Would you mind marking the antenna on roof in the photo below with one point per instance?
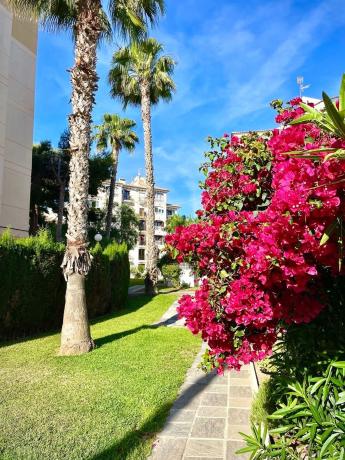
(302, 87)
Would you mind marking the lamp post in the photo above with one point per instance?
(98, 237)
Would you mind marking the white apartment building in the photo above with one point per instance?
(134, 195)
(18, 43)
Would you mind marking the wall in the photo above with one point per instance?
(18, 42)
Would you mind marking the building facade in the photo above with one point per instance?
(134, 195)
(18, 43)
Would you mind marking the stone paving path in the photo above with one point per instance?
(210, 410)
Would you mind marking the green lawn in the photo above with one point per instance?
(104, 405)
(136, 282)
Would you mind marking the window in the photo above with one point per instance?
(141, 254)
(159, 210)
(142, 240)
(159, 197)
(142, 212)
(170, 212)
(159, 224)
(159, 239)
(126, 194)
(142, 225)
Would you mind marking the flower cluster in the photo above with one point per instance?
(257, 244)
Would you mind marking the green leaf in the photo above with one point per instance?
(339, 364)
(339, 154)
(309, 109)
(342, 94)
(317, 385)
(333, 113)
(328, 232)
(327, 443)
(306, 118)
(244, 450)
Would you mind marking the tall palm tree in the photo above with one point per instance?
(88, 22)
(141, 75)
(115, 132)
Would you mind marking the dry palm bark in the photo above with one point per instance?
(151, 251)
(75, 335)
(109, 218)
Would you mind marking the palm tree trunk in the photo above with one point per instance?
(75, 334)
(109, 217)
(151, 277)
(60, 211)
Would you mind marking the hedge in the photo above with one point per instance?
(32, 288)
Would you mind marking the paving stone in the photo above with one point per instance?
(212, 399)
(204, 448)
(212, 411)
(240, 392)
(239, 402)
(213, 388)
(203, 458)
(181, 415)
(204, 379)
(239, 416)
(234, 446)
(168, 449)
(239, 374)
(186, 401)
(208, 414)
(176, 430)
(240, 382)
(208, 428)
(233, 431)
(192, 389)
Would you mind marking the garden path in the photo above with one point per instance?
(208, 413)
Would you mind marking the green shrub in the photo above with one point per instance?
(32, 288)
(311, 420)
(302, 404)
(119, 273)
(171, 274)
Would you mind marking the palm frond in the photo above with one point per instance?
(142, 61)
(130, 18)
(115, 132)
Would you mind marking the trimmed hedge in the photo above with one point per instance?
(32, 288)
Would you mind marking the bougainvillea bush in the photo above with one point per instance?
(256, 246)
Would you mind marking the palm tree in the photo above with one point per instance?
(115, 132)
(141, 75)
(88, 22)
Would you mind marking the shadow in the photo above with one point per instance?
(119, 335)
(123, 448)
(170, 291)
(133, 304)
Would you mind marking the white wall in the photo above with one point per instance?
(17, 81)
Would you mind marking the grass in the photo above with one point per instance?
(136, 282)
(107, 404)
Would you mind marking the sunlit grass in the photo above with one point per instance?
(104, 405)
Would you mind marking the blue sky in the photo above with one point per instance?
(233, 57)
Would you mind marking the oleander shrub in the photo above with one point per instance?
(32, 288)
(310, 420)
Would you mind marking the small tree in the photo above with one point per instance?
(140, 75)
(88, 21)
(126, 228)
(114, 132)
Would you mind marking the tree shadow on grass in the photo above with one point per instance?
(119, 335)
(133, 304)
(121, 449)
